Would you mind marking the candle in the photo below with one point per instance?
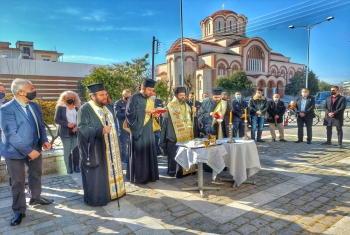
(245, 114)
(231, 116)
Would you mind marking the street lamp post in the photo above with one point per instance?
(308, 28)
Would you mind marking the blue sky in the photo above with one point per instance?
(105, 32)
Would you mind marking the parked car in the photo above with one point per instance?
(322, 96)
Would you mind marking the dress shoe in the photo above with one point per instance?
(70, 171)
(273, 140)
(17, 219)
(40, 201)
(283, 140)
(309, 142)
(260, 140)
(298, 141)
(327, 143)
(340, 146)
(76, 169)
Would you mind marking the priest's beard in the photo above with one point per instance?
(144, 95)
(100, 102)
(181, 101)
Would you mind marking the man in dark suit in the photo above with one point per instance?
(238, 106)
(119, 113)
(23, 138)
(3, 101)
(334, 108)
(276, 109)
(304, 108)
(194, 108)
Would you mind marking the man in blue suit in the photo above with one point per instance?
(23, 137)
(238, 106)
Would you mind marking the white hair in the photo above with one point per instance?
(19, 84)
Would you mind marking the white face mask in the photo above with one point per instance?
(153, 97)
(276, 99)
(304, 94)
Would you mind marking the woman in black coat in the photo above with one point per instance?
(66, 117)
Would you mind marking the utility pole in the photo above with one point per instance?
(154, 40)
(182, 45)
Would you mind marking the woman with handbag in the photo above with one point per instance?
(66, 117)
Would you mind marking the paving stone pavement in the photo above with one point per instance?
(301, 189)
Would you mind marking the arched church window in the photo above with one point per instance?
(230, 25)
(273, 72)
(221, 70)
(219, 27)
(255, 59)
(208, 28)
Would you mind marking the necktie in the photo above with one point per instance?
(33, 123)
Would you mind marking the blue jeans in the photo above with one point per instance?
(260, 122)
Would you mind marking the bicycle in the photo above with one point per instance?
(317, 117)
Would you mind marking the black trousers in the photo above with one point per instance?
(238, 127)
(16, 169)
(339, 134)
(308, 123)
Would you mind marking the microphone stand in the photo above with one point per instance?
(113, 163)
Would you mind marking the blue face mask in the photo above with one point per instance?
(238, 97)
(2, 95)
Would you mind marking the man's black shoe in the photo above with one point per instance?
(340, 146)
(327, 143)
(40, 201)
(273, 140)
(283, 140)
(70, 170)
(309, 142)
(260, 140)
(298, 141)
(17, 219)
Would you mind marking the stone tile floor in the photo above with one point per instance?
(302, 189)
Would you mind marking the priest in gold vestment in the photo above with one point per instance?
(177, 127)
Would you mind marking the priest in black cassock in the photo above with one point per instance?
(207, 120)
(140, 118)
(206, 114)
(177, 126)
(99, 149)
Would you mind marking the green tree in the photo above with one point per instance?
(236, 82)
(324, 86)
(114, 82)
(136, 70)
(162, 90)
(297, 82)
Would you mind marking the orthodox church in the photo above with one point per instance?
(224, 49)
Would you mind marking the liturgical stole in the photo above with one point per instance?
(221, 107)
(182, 123)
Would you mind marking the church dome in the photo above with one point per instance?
(222, 12)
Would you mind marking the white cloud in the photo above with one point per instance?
(148, 13)
(70, 11)
(88, 59)
(98, 16)
(109, 28)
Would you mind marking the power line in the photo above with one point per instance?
(196, 35)
(171, 42)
